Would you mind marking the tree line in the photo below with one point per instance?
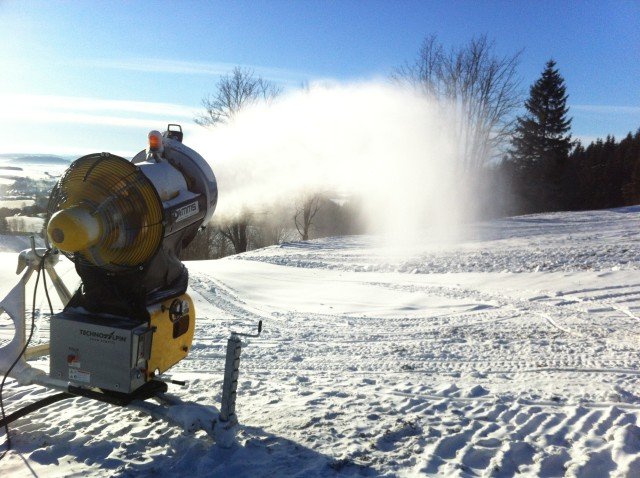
(546, 170)
(604, 174)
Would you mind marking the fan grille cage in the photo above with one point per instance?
(126, 204)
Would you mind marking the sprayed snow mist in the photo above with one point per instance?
(390, 147)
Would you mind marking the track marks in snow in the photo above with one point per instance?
(434, 344)
(553, 323)
(534, 441)
(344, 378)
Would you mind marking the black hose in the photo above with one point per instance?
(33, 407)
(44, 279)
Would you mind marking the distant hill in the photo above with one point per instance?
(36, 159)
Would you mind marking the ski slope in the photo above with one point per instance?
(514, 351)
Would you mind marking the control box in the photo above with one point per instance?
(91, 350)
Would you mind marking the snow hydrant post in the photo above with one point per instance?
(230, 383)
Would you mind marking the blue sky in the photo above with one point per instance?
(97, 75)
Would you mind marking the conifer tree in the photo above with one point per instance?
(542, 141)
(543, 131)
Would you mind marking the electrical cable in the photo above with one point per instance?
(32, 407)
(24, 349)
(44, 281)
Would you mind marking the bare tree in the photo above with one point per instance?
(482, 89)
(273, 227)
(209, 243)
(236, 232)
(234, 92)
(304, 215)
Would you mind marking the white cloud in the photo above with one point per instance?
(156, 65)
(16, 103)
(25, 115)
(41, 115)
(20, 147)
(90, 111)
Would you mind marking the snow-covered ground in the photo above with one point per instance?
(12, 244)
(513, 351)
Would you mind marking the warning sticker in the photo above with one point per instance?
(79, 376)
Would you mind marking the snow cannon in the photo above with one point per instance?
(124, 224)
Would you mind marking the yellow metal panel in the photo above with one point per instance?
(166, 350)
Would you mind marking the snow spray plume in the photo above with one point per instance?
(390, 147)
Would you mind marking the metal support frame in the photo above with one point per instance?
(221, 426)
(14, 304)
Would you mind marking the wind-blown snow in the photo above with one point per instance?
(391, 148)
(515, 351)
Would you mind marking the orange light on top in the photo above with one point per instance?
(155, 141)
